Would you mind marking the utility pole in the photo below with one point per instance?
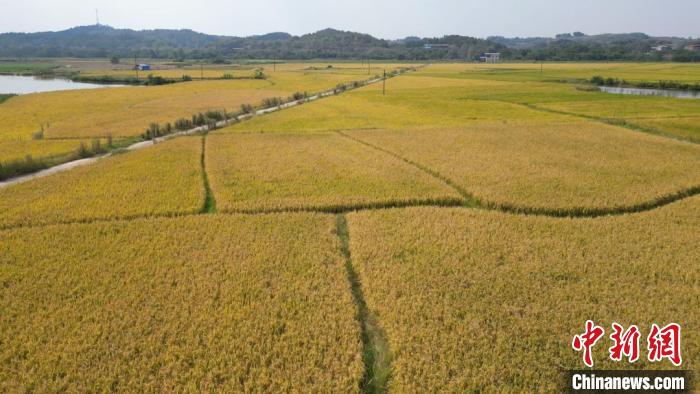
(369, 67)
(384, 84)
(541, 67)
(201, 71)
(136, 67)
(97, 17)
(274, 63)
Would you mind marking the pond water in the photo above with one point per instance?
(22, 85)
(651, 92)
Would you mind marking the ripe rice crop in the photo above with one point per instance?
(684, 127)
(207, 303)
(127, 112)
(578, 166)
(252, 172)
(20, 149)
(122, 112)
(165, 179)
(476, 301)
(633, 72)
(368, 108)
(673, 116)
(176, 73)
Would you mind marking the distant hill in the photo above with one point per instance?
(106, 41)
(100, 41)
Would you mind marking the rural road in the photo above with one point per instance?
(145, 144)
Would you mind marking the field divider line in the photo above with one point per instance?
(328, 209)
(471, 201)
(376, 354)
(611, 122)
(209, 200)
(447, 203)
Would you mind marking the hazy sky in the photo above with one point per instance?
(381, 18)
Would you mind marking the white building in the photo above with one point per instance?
(491, 57)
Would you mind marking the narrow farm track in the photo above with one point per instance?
(376, 355)
(209, 200)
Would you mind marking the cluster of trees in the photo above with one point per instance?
(106, 42)
(604, 47)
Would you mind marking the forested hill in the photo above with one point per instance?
(104, 41)
(579, 46)
(101, 41)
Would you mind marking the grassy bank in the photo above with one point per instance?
(5, 97)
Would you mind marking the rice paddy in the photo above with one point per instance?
(259, 172)
(576, 166)
(193, 304)
(163, 180)
(482, 301)
(51, 124)
(451, 235)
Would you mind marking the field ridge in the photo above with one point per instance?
(611, 122)
(577, 212)
(447, 203)
(209, 199)
(376, 354)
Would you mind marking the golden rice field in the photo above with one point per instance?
(475, 301)
(221, 304)
(367, 108)
(13, 149)
(633, 72)
(573, 166)
(175, 73)
(259, 172)
(162, 180)
(356, 243)
(676, 118)
(121, 112)
(128, 111)
(526, 83)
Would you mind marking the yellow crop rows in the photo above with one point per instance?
(453, 234)
(128, 111)
(574, 166)
(258, 172)
(226, 304)
(482, 301)
(165, 179)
